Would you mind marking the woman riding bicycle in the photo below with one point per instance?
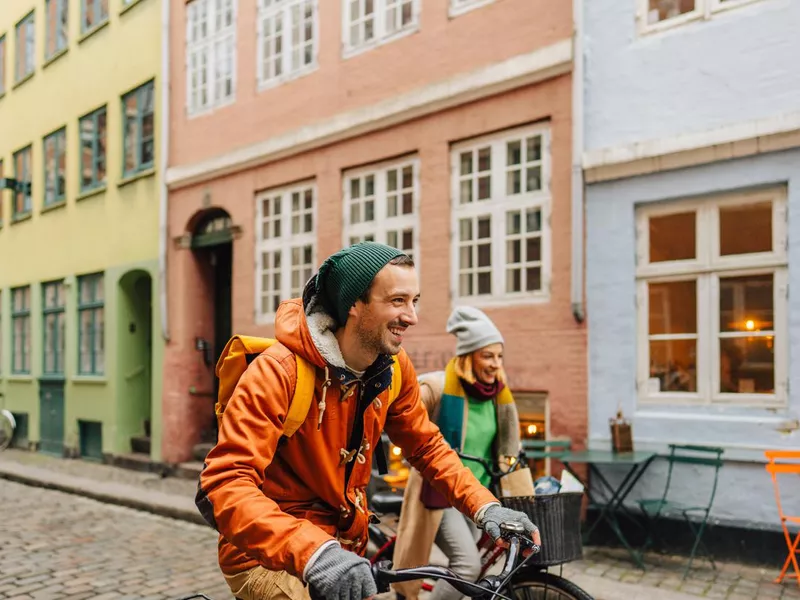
(476, 413)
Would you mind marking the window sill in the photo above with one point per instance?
(457, 11)
(53, 206)
(269, 84)
(20, 218)
(353, 51)
(510, 301)
(95, 191)
(90, 379)
(87, 34)
(49, 61)
(52, 378)
(20, 377)
(128, 7)
(27, 77)
(148, 172)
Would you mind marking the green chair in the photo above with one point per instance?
(542, 449)
(702, 459)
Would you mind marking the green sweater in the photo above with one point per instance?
(481, 431)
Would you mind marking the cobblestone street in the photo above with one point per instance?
(57, 546)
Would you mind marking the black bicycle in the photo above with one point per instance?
(529, 580)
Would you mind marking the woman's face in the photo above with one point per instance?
(486, 362)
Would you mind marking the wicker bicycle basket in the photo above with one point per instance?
(558, 517)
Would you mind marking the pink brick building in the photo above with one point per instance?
(442, 127)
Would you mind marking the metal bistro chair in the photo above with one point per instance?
(544, 449)
(656, 508)
(786, 462)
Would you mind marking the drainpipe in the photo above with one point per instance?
(164, 153)
(576, 286)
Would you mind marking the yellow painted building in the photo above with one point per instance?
(80, 122)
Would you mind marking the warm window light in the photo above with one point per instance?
(750, 325)
(396, 451)
(532, 429)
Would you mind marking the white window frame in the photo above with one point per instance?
(460, 7)
(497, 207)
(380, 35)
(706, 268)
(704, 9)
(287, 73)
(380, 226)
(217, 47)
(284, 243)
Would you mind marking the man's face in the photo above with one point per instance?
(381, 323)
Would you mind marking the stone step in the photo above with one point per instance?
(140, 444)
(188, 470)
(201, 450)
(136, 461)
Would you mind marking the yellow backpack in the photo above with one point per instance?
(241, 350)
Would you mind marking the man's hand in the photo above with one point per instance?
(339, 574)
(496, 514)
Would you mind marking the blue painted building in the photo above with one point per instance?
(690, 116)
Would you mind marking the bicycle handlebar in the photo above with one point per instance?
(488, 587)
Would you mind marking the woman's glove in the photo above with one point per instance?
(495, 514)
(338, 574)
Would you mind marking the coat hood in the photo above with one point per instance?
(306, 328)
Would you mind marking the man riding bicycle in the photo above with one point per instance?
(293, 512)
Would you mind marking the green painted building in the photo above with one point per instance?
(80, 343)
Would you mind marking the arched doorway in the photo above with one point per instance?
(135, 359)
(212, 246)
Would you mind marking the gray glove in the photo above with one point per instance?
(496, 514)
(339, 574)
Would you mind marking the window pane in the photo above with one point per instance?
(533, 279)
(745, 229)
(672, 237)
(484, 283)
(661, 10)
(745, 304)
(673, 363)
(673, 307)
(747, 365)
(465, 229)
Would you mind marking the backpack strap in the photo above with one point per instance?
(394, 392)
(303, 394)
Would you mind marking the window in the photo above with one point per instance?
(371, 22)
(501, 208)
(2, 64)
(57, 15)
(91, 325)
(286, 247)
(660, 14)
(53, 320)
(93, 14)
(25, 58)
(381, 204)
(712, 290)
(287, 39)
(21, 330)
(138, 122)
(210, 54)
(22, 173)
(93, 149)
(55, 167)
(458, 7)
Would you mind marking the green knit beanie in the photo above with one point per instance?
(344, 276)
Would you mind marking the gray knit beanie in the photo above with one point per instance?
(344, 276)
(473, 330)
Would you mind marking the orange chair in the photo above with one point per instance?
(774, 468)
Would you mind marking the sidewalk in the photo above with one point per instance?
(605, 573)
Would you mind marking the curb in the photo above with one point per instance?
(155, 503)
